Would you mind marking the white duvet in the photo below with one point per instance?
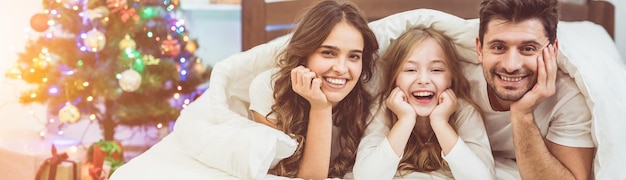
(214, 139)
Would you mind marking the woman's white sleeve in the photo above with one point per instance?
(375, 159)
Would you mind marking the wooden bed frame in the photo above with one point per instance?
(263, 21)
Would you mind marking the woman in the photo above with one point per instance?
(318, 93)
(434, 128)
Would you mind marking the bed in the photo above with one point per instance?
(264, 20)
(214, 139)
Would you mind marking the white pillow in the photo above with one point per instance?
(215, 129)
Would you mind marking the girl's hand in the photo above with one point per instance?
(397, 103)
(447, 105)
(306, 83)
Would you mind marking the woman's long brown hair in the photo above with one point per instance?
(292, 110)
(418, 155)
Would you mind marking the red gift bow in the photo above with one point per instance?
(54, 161)
(95, 173)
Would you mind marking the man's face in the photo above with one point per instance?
(509, 56)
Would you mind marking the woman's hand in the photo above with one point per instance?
(306, 83)
(397, 102)
(448, 103)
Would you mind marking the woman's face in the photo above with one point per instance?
(424, 76)
(338, 61)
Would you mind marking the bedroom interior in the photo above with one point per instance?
(265, 20)
(222, 108)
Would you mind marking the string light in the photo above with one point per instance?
(53, 91)
(45, 60)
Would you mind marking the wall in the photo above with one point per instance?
(620, 26)
(13, 115)
(217, 27)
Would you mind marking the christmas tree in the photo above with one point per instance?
(128, 62)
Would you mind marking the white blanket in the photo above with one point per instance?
(214, 138)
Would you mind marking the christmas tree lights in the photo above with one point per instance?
(113, 62)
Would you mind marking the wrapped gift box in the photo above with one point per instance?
(66, 170)
(58, 167)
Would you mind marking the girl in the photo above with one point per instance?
(435, 130)
(317, 94)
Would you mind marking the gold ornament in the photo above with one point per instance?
(198, 66)
(191, 47)
(69, 113)
(127, 43)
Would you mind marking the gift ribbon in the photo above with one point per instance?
(95, 173)
(54, 161)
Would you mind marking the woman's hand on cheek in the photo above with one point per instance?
(306, 84)
(397, 103)
(448, 103)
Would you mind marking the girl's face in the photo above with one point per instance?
(338, 61)
(424, 76)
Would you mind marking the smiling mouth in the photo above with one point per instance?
(423, 95)
(336, 81)
(510, 79)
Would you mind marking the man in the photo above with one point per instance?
(538, 122)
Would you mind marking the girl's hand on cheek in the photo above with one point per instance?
(306, 84)
(448, 103)
(397, 103)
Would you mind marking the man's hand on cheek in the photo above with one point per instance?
(546, 82)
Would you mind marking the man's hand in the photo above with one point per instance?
(546, 82)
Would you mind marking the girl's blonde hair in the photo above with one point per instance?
(421, 156)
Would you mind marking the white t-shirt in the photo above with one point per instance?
(470, 157)
(262, 99)
(562, 118)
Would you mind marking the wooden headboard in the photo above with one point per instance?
(263, 21)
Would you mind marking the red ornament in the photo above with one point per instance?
(170, 47)
(39, 22)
